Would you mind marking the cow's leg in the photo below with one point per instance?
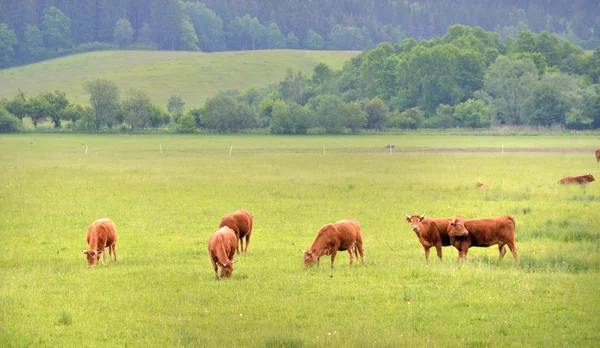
(247, 241)
(333, 252)
(358, 250)
(104, 255)
(438, 248)
(239, 240)
(502, 250)
(513, 250)
(216, 268)
(351, 253)
(426, 254)
(115, 251)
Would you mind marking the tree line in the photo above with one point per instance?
(35, 30)
(467, 78)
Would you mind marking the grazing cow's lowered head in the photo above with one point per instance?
(227, 268)
(414, 221)
(457, 228)
(310, 258)
(92, 256)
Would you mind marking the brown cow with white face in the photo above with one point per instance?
(101, 234)
(241, 223)
(221, 248)
(431, 232)
(483, 232)
(337, 236)
(582, 179)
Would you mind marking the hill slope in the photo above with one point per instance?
(195, 76)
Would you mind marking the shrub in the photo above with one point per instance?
(8, 122)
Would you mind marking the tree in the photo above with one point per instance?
(18, 106)
(186, 124)
(8, 40)
(104, 97)
(208, 26)
(188, 40)
(123, 33)
(292, 41)
(509, 83)
(377, 113)
(8, 122)
(330, 113)
(166, 23)
(281, 122)
(314, 41)
(57, 30)
(157, 116)
(349, 38)
(355, 117)
(136, 109)
(38, 109)
(58, 103)
(33, 46)
(473, 113)
(275, 38)
(175, 106)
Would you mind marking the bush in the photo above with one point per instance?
(8, 122)
(186, 124)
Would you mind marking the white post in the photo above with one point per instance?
(161, 148)
(86, 148)
(230, 149)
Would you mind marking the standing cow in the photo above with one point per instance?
(597, 155)
(483, 232)
(431, 232)
(241, 223)
(221, 248)
(341, 235)
(582, 179)
(101, 234)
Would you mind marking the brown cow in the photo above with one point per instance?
(483, 232)
(101, 234)
(221, 248)
(341, 235)
(431, 232)
(241, 223)
(481, 185)
(582, 179)
(597, 155)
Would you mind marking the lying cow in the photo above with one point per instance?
(481, 185)
(582, 179)
(431, 232)
(341, 235)
(241, 223)
(221, 248)
(483, 232)
(101, 234)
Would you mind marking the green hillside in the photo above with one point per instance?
(195, 76)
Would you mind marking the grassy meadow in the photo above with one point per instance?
(193, 75)
(162, 290)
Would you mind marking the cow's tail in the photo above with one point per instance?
(513, 221)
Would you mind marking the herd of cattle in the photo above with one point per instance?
(344, 235)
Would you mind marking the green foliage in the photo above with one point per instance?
(314, 41)
(377, 113)
(348, 38)
(188, 40)
(330, 113)
(207, 24)
(473, 113)
(104, 98)
(356, 118)
(136, 107)
(34, 44)
(175, 106)
(166, 23)
(275, 38)
(56, 28)
(18, 106)
(38, 109)
(292, 41)
(186, 124)
(8, 41)
(123, 34)
(223, 114)
(58, 103)
(8, 122)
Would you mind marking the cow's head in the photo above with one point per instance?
(92, 256)
(590, 177)
(414, 220)
(309, 258)
(227, 268)
(456, 227)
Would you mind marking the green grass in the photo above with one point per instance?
(162, 291)
(194, 76)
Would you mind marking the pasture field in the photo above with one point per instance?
(193, 75)
(162, 290)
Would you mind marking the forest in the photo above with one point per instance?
(468, 78)
(36, 30)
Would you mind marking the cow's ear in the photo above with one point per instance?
(84, 251)
(234, 261)
(407, 218)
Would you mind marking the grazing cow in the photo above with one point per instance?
(481, 185)
(241, 223)
(582, 179)
(483, 232)
(341, 235)
(597, 155)
(431, 232)
(222, 245)
(101, 234)
(390, 146)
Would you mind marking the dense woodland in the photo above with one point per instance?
(468, 78)
(34, 30)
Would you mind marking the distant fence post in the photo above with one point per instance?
(230, 150)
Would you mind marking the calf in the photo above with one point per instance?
(582, 179)
(101, 234)
(431, 232)
(341, 235)
(483, 232)
(221, 248)
(241, 223)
